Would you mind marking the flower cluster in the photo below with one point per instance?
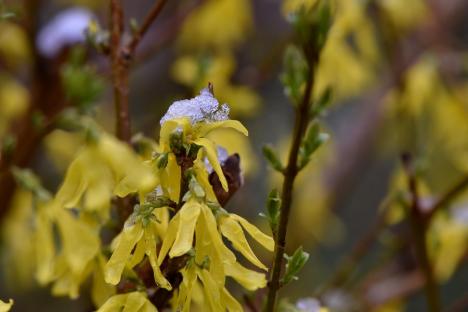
(176, 218)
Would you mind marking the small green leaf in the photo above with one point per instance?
(273, 210)
(272, 158)
(162, 160)
(322, 103)
(294, 264)
(29, 181)
(311, 142)
(295, 72)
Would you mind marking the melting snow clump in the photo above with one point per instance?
(204, 107)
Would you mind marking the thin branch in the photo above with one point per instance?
(419, 229)
(348, 265)
(138, 35)
(290, 173)
(448, 197)
(119, 73)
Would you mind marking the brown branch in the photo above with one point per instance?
(300, 125)
(419, 230)
(448, 197)
(154, 12)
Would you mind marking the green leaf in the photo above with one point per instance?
(272, 158)
(273, 210)
(294, 264)
(29, 181)
(295, 72)
(322, 103)
(311, 142)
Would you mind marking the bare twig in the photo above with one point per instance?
(419, 229)
(154, 12)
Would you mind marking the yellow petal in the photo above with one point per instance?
(231, 303)
(169, 238)
(233, 232)
(205, 128)
(170, 126)
(184, 298)
(6, 306)
(211, 153)
(45, 248)
(74, 185)
(263, 239)
(138, 254)
(249, 279)
(151, 253)
(80, 242)
(170, 178)
(188, 219)
(211, 291)
(116, 264)
(100, 290)
(130, 302)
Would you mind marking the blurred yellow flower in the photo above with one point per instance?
(129, 302)
(6, 306)
(15, 100)
(15, 48)
(218, 24)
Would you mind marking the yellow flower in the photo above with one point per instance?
(198, 72)
(190, 121)
(14, 98)
(219, 24)
(102, 169)
(6, 306)
(80, 244)
(139, 233)
(130, 302)
(196, 218)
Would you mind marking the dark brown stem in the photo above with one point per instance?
(138, 35)
(419, 229)
(448, 197)
(290, 173)
(119, 73)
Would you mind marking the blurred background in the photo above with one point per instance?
(397, 71)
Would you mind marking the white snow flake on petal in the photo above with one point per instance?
(67, 28)
(204, 107)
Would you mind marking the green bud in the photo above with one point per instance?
(272, 158)
(176, 141)
(295, 72)
(162, 160)
(294, 264)
(311, 142)
(322, 103)
(273, 210)
(29, 181)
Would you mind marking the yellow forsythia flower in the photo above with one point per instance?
(130, 302)
(6, 306)
(142, 236)
(102, 169)
(15, 100)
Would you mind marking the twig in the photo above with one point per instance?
(290, 173)
(119, 73)
(419, 229)
(349, 263)
(451, 194)
(154, 12)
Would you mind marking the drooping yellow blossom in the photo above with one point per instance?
(70, 265)
(62, 147)
(196, 219)
(102, 169)
(405, 14)
(192, 120)
(129, 302)
(139, 233)
(6, 306)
